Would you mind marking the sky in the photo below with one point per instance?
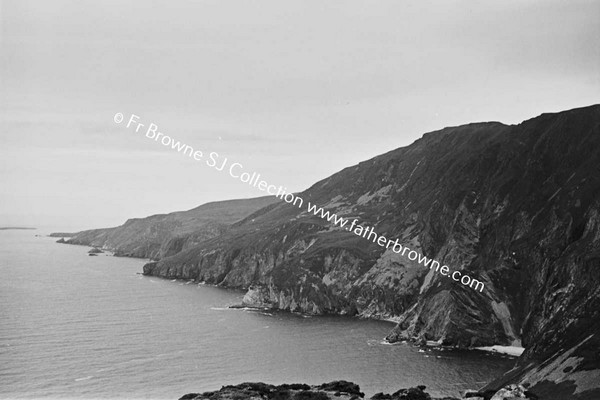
(293, 90)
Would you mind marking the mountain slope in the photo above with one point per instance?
(162, 235)
(516, 207)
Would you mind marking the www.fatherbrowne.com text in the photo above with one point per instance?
(236, 170)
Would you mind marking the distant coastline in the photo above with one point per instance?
(62, 234)
(6, 228)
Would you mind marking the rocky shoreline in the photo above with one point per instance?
(344, 390)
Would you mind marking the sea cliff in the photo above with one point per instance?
(515, 206)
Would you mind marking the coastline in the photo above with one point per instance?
(512, 351)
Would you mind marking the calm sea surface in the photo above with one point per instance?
(74, 326)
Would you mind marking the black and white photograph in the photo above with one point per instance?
(300, 199)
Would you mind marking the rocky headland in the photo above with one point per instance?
(62, 234)
(514, 206)
(162, 235)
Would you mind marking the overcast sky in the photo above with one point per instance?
(295, 90)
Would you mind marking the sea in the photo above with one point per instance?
(75, 326)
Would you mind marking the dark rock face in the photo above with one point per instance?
(338, 390)
(516, 207)
(164, 235)
(569, 372)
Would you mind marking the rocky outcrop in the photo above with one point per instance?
(340, 390)
(164, 235)
(569, 372)
(337, 390)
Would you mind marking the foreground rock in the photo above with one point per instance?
(337, 390)
(344, 390)
(95, 250)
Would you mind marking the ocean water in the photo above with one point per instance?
(74, 326)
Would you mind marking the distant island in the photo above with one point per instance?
(6, 228)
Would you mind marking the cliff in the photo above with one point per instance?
(515, 207)
(161, 235)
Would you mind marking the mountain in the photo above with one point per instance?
(516, 207)
(162, 235)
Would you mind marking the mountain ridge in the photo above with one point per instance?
(162, 235)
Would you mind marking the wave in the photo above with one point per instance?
(386, 343)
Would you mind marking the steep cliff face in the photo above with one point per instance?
(164, 235)
(515, 207)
